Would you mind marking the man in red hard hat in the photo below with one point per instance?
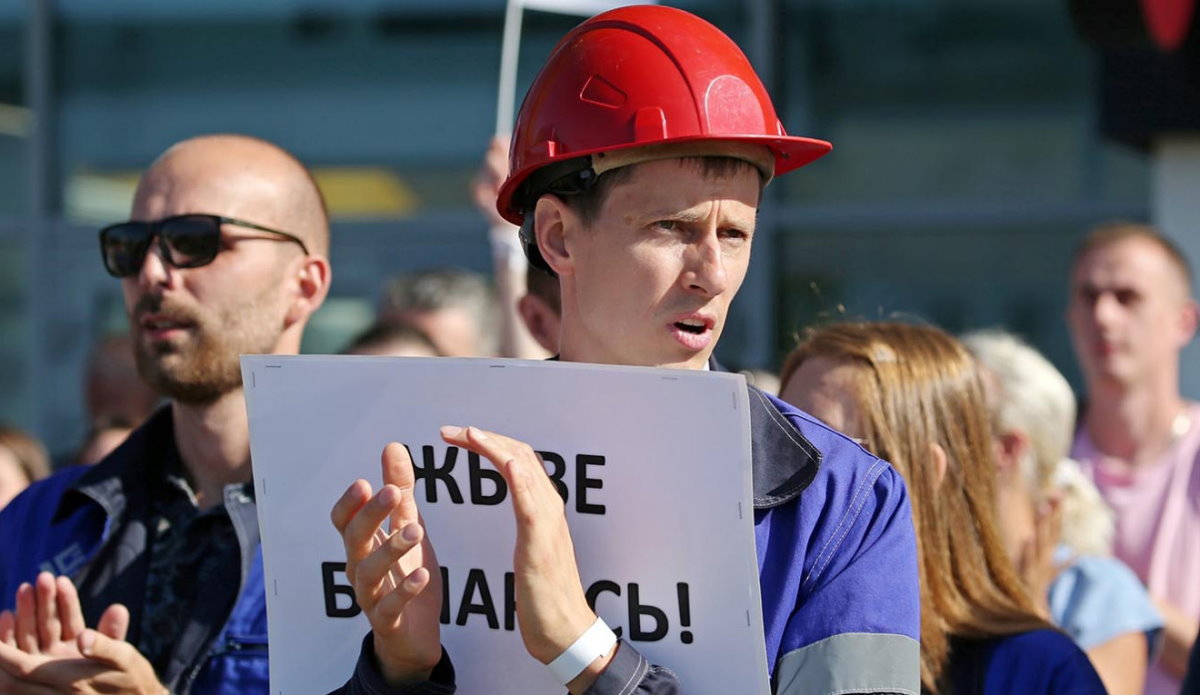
(638, 163)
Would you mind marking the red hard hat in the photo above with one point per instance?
(635, 77)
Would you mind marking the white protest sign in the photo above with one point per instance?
(657, 474)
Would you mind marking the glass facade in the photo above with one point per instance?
(966, 159)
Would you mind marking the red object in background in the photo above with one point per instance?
(1168, 21)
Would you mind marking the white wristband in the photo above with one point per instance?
(592, 644)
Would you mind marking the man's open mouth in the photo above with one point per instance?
(694, 327)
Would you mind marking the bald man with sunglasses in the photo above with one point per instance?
(143, 574)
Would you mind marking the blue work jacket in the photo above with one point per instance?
(66, 525)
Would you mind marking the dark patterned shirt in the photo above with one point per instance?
(194, 572)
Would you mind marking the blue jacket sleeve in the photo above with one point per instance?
(629, 673)
(852, 620)
(856, 627)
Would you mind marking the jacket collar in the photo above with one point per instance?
(783, 461)
(128, 471)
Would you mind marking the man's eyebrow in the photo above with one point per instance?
(694, 215)
(688, 215)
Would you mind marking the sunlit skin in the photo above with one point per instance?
(650, 280)
(191, 323)
(1128, 314)
(188, 327)
(823, 388)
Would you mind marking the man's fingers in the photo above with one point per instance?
(114, 622)
(393, 603)
(397, 466)
(398, 470)
(17, 664)
(528, 484)
(373, 570)
(8, 628)
(118, 654)
(498, 448)
(26, 622)
(70, 612)
(12, 664)
(520, 486)
(359, 535)
(49, 629)
(349, 503)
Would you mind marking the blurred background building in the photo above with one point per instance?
(967, 157)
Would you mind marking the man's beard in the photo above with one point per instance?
(207, 366)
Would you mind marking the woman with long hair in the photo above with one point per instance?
(1056, 526)
(913, 396)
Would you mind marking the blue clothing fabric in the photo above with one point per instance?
(837, 562)
(837, 550)
(1096, 598)
(1038, 661)
(84, 523)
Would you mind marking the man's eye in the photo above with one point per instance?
(668, 225)
(1126, 297)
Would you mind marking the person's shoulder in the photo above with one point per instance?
(1101, 570)
(43, 495)
(1044, 648)
(1097, 597)
(1045, 660)
(854, 505)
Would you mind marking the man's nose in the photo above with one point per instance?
(156, 269)
(1105, 309)
(706, 267)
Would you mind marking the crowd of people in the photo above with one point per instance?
(932, 513)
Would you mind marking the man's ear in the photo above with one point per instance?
(312, 277)
(1188, 321)
(553, 222)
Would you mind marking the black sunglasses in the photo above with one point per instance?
(185, 241)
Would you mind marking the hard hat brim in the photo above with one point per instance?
(790, 153)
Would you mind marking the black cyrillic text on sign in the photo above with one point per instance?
(498, 607)
(485, 486)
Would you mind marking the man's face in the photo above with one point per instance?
(189, 325)
(1128, 313)
(654, 273)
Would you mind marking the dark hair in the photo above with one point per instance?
(544, 285)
